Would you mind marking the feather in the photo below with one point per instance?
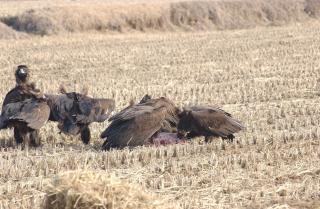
(208, 121)
(135, 131)
(34, 114)
(136, 124)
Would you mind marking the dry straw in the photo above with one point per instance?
(88, 189)
(175, 16)
(6, 32)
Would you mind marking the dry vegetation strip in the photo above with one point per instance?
(162, 16)
(266, 77)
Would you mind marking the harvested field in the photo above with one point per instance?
(267, 77)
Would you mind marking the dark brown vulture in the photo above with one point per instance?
(137, 124)
(209, 122)
(24, 109)
(74, 112)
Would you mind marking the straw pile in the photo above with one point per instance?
(9, 33)
(87, 189)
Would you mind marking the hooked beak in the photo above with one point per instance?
(22, 72)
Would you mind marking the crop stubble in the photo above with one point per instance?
(266, 77)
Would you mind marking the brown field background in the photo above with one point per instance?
(265, 76)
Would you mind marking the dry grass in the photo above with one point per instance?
(266, 77)
(8, 33)
(163, 16)
(313, 8)
(84, 189)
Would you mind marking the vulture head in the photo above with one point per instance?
(22, 74)
(184, 124)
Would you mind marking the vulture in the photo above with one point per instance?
(24, 109)
(138, 124)
(74, 112)
(208, 122)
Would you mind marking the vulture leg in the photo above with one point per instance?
(17, 135)
(229, 138)
(25, 138)
(34, 138)
(106, 146)
(85, 135)
(208, 139)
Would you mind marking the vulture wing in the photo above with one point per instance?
(60, 107)
(131, 112)
(209, 108)
(35, 114)
(134, 125)
(212, 121)
(172, 110)
(71, 112)
(12, 96)
(133, 109)
(94, 110)
(135, 130)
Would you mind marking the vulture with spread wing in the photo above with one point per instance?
(137, 124)
(209, 122)
(24, 109)
(74, 112)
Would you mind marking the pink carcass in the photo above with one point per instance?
(164, 138)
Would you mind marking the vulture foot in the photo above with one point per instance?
(85, 135)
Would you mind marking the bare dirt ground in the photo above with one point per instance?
(266, 77)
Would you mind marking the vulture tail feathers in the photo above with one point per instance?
(233, 126)
(237, 125)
